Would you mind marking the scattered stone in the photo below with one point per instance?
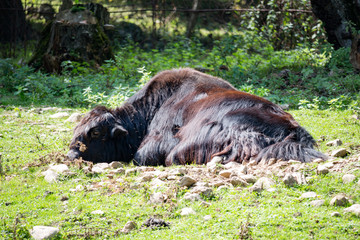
(318, 160)
(146, 169)
(207, 217)
(59, 115)
(116, 165)
(43, 232)
(202, 190)
(157, 198)
(177, 172)
(187, 211)
(130, 171)
(60, 168)
(342, 152)
(355, 209)
(117, 171)
(290, 179)
(216, 160)
(155, 223)
(348, 178)
(147, 177)
(218, 183)
(75, 117)
(50, 176)
(261, 184)
(225, 173)
(98, 212)
(317, 203)
(335, 214)
(186, 181)
(252, 163)
(339, 200)
(192, 197)
(100, 167)
(232, 165)
(205, 204)
(237, 181)
(334, 143)
(322, 170)
(129, 226)
(308, 195)
(239, 171)
(249, 178)
(172, 177)
(157, 184)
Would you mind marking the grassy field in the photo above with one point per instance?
(30, 141)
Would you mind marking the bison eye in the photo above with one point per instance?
(95, 133)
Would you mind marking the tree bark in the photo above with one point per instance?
(339, 18)
(192, 20)
(12, 21)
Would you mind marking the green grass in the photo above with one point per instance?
(27, 200)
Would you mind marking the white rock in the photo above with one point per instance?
(147, 177)
(317, 203)
(335, 214)
(75, 117)
(50, 176)
(157, 184)
(225, 173)
(348, 178)
(217, 183)
(186, 181)
(322, 170)
(355, 209)
(339, 200)
(342, 152)
(217, 160)
(318, 160)
(157, 198)
(117, 171)
(146, 169)
(308, 195)
(205, 191)
(100, 167)
(97, 212)
(60, 168)
(176, 172)
(116, 165)
(43, 232)
(249, 178)
(192, 196)
(130, 171)
(238, 181)
(187, 211)
(335, 143)
(59, 115)
(129, 226)
(262, 183)
(239, 171)
(207, 217)
(232, 165)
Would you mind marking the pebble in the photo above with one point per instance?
(261, 184)
(348, 178)
(100, 167)
(202, 190)
(237, 181)
(43, 232)
(207, 217)
(50, 176)
(97, 212)
(186, 181)
(335, 143)
(225, 173)
(322, 170)
(335, 214)
(192, 196)
(308, 195)
(342, 152)
(339, 200)
(129, 226)
(317, 203)
(75, 117)
(60, 168)
(116, 165)
(157, 198)
(187, 211)
(59, 115)
(355, 209)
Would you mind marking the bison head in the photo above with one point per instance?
(98, 136)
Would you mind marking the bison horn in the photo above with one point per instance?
(118, 131)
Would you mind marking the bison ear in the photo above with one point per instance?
(118, 131)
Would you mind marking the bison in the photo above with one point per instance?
(184, 116)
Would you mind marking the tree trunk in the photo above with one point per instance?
(339, 18)
(12, 21)
(192, 20)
